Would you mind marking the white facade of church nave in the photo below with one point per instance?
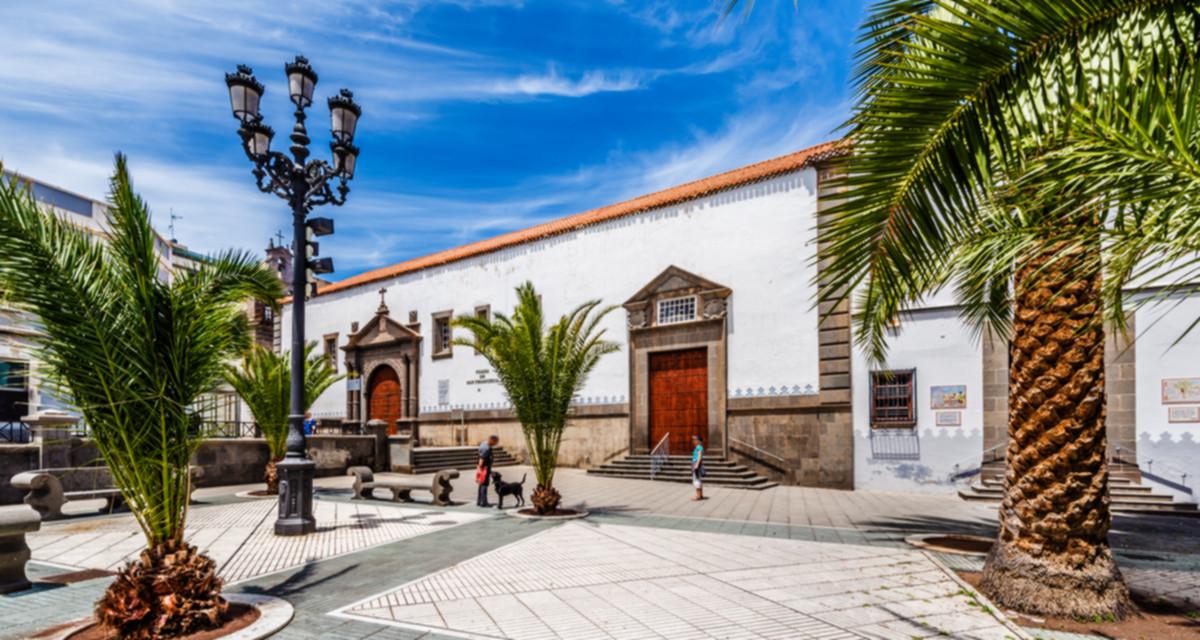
(757, 240)
(754, 239)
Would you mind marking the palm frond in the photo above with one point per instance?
(263, 380)
(955, 99)
(541, 369)
(133, 349)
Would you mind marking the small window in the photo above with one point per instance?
(675, 310)
(14, 376)
(331, 346)
(441, 334)
(892, 398)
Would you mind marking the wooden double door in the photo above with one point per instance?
(383, 397)
(678, 398)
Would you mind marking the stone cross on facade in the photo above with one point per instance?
(383, 309)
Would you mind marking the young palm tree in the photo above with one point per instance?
(957, 100)
(264, 382)
(134, 349)
(541, 370)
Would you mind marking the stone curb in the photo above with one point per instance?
(247, 494)
(273, 615)
(516, 513)
(996, 612)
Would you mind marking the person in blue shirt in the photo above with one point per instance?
(310, 424)
(698, 467)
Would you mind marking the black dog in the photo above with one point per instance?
(509, 489)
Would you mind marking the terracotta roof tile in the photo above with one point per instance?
(674, 195)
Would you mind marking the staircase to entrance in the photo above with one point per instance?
(671, 468)
(432, 459)
(1125, 486)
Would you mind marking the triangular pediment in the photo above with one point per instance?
(672, 280)
(380, 331)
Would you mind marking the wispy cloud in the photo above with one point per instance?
(481, 116)
(553, 83)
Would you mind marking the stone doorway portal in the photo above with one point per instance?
(383, 397)
(678, 397)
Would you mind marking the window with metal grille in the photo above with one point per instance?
(892, 398)
(331, 348)
(441, 334)
(675, 310)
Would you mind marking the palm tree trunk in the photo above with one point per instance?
(271, 476)
(546, 499)
(1052, 557)
(170, 590)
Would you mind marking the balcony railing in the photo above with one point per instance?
(14, 432)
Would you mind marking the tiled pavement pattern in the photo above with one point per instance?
(240, 536)
(609, 581)
(1168, 545)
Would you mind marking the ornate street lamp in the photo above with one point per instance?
(304, 184)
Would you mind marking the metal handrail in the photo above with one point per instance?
(988, 455)
(659, 458)
(755, 450)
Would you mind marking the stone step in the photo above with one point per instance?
(430, 459)
(1152, 503)
(1114, 488)
(756, 482)
(1117, 493)
(718, 471)
(685, 466)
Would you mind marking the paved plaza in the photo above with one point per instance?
(240, 536)
(787, 562)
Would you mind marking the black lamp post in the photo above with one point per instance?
(305, 184)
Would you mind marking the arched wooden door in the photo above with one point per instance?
(383, 397)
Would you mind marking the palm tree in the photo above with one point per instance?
(958, 99)
(134, 348)
(957, 102)
(541, 370)
(264, 382)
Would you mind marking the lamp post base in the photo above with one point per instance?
(295, 497)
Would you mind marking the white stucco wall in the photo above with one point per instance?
(755, 239)
(1166, 449)
(943, 352)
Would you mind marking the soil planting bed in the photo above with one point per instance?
(240, 617)
(960, 543)
(557, 514)
(1156, 621)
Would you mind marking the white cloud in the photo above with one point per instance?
(553, 83)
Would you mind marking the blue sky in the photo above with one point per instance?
(480, 116)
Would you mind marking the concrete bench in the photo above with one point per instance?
(49, 489)
(15, 522)
(401, 488)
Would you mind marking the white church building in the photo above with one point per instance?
(715, 282)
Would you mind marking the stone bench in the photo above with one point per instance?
(401, 488)
(47, 490)
(15, 522)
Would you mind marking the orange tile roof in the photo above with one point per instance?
(674, 195)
